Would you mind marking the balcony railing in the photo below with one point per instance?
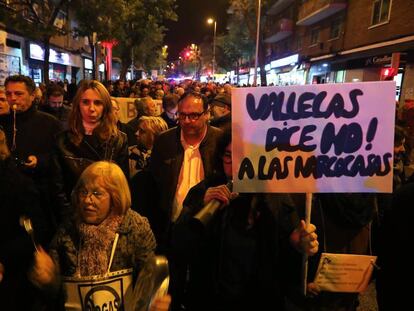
(283, 29)
(314, 11)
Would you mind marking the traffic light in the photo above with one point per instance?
(388, 74)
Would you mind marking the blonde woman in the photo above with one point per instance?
(92, 135)
(142, 187)
(147, 129)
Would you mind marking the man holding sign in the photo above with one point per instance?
(237, 258)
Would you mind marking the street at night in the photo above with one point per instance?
(189, 155)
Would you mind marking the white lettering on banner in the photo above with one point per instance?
(314, 138)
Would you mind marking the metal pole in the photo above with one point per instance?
(214, 48)
(132, 63)
(94, 57)
(257, 43)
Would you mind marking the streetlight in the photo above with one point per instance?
(211, 21)
(164, 55)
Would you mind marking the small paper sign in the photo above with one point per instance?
(344, 272)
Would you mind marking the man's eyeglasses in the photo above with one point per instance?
(83, 193)
(191, 116)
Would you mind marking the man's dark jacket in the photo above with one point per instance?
(35, 135)
(166, 161)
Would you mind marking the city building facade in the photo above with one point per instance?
(336, 41)
(70, 55)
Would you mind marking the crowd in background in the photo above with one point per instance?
(84, 177)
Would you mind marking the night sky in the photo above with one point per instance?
(192, 26)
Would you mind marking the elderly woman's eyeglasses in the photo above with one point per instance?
(83, 193)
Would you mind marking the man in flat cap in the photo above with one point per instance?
(221, 111)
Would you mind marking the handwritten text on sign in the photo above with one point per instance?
(314, 138)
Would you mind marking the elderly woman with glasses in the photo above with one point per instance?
(104, 236)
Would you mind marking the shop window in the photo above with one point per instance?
(381, 10)
(340, 76)
(314, 36)
(336, 26)
(9, 65)
(13, 43)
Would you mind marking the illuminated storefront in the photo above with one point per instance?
(61, 65)
(285, 71)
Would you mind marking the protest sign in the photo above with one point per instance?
(314, 138)
(127, 109)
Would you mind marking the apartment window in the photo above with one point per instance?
(380, 11)
(60, 20)
(336, 25)
(314, 36)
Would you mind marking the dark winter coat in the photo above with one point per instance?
(18, 197)
(35, 135)
(74, 158)
(165, 166)
(135, 246)
(234, 265)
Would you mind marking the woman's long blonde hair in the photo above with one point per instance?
(107, 126)
(155, 124)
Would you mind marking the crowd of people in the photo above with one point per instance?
(104, 196)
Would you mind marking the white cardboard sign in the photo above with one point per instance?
(314, 138)
(344, 273)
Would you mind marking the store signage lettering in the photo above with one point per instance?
(378, 60)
